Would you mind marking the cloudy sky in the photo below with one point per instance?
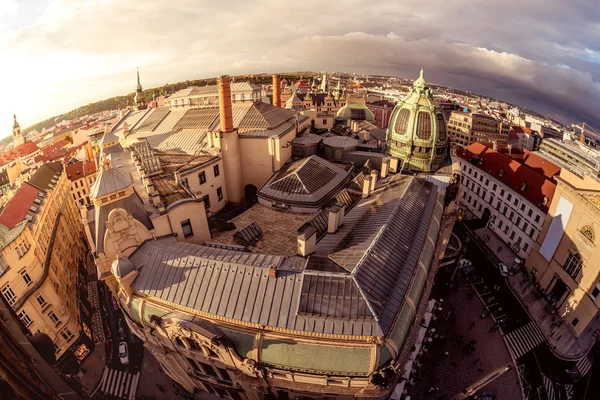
(59, 54)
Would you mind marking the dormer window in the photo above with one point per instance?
(501, 173)
(523, 186)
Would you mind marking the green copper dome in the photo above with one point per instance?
(417, 130)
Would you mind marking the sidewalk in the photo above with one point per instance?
(560, 339)
(93, 366)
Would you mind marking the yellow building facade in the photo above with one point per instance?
(566, 257)
(41, 251)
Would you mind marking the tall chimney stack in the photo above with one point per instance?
(225, 103)
(276, 91)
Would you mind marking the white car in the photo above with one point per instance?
(123, 353)
(503, 269)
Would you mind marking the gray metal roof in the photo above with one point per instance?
(237, 284)
(344, 142)
(109, 180)
(311, 181)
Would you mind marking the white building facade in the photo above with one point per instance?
(511, 215)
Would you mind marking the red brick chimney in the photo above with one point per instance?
(225, 104)
(276, 91)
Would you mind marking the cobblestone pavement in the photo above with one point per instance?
(456, 371)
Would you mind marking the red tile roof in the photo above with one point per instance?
(19, 151)
(80, 169)
(521, 129)
(533, 173)
(16, 209)
(54, 151)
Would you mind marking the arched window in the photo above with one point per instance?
(588, 232)
(424, 125)
(402, 122)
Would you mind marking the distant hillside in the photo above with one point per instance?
(119, 102)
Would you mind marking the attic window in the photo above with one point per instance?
(33, 208)
(37, 201)
(40, 194)
(524, 186)
(501, 173)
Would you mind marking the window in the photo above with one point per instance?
(41, 300)
(193, 364)
(487, 181)
(26, 278)
(575, 322)
(529, 213)
(494, 187)
(509, 197)
(505, 209)
(502, 192)
(206, 201)
(506, 229)
(184, 182)
(476, 175)
(537, 218)
(518, 221)
(67, 335)
(186, 227)
(516, 201)
(525, 246)
(216, 170)
(596, 290)
(525, 225)
(523, 207)
(512, 235)
(512, 214)
(202, 177)
(219, 193)
(208, 369)
(53, 318)
(9, 295)
(324, 121)
(531, 232)
(500, 224)
(573, 265)
(224, 374)
(56, 348)
(24, 318)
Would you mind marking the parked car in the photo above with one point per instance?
(503, 269)
(123, 353)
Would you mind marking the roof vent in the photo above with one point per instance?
(272, 271)
(40, 194)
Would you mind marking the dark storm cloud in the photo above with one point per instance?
(540, 54)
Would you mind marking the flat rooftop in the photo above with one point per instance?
(280, 230)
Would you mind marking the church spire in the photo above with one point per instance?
(421, 81)
(17, 136)
(138, 99)
(139, 85)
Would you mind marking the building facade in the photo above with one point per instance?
(574, 155)
(566, 259)
(512, 197)
(382, 110)
(82, 176)
(41, 252)
(468, 128)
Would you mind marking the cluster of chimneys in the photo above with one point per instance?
(147, 182)
(224, 83)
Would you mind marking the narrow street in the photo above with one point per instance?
(119, 380)
(543, 375)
